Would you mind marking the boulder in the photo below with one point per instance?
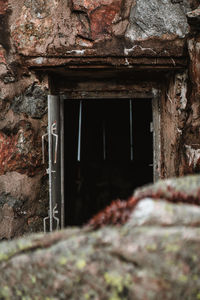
(154, 255)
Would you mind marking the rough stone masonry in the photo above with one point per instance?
(38, 36)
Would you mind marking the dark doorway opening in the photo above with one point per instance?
(107, 169)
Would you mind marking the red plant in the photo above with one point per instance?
(119, 211)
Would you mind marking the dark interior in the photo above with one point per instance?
(105, 171)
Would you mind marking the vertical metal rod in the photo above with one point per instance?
(50, 167)
(104, 140)
(131, 128)
(79, 132)
(53, 130)
(62, 162)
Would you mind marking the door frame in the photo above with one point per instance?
(93, 83)
(156, 142)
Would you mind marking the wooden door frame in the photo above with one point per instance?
(156, 140)
(74, 87)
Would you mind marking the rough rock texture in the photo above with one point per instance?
(192, 129)
(165, 20)
(61, 27)
(181, 190)
(23, 180)
(23, 204)
(153, 256)
(157, 18)
(33, 102)
(20, 151)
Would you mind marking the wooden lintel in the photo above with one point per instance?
(53, 63)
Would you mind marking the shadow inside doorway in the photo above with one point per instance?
(107, 169)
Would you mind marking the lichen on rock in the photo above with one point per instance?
(150, 259)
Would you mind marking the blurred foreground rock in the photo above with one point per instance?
(155, 255)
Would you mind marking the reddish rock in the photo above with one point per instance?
(2, 55)
(3, 6)
(102, 17)
(100, 13)
(89, 5)
(54, 28)
(20, 151)
(23, 203)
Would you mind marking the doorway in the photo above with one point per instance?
(106, 155)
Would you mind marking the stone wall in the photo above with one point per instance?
(23, 109)
(23, 183)
(38, 34)
(103, 27)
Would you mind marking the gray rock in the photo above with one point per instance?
(163, 213)
(33, 102)
(8, 77)
(141, 260)
(38, 8)
(113, 263)
(155, 18)
(9, 200)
